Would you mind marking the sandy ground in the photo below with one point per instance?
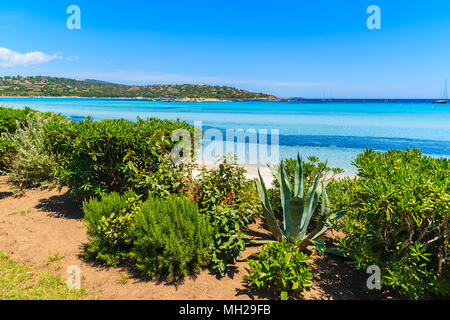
(251, 171)
(49, 221)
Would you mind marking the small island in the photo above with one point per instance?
(41, 86)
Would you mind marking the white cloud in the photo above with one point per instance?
(9, 58)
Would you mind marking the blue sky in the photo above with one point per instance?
(287, 48)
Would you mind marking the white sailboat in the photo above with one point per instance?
(444, 100)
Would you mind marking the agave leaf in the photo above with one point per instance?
(262, 190)
(275, 171)
(267, 209)
(325, 209)
(299, 180)
(326, 219)
(285, 193)
(311, 202)
(296, 210)
(286, 177)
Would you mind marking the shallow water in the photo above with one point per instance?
(335, 131)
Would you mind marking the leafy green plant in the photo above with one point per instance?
(115, 155)
(228, 198)
(30, 165)
(10, 119)
(280, 267)
(398, 212)
(110, 222)
(229, 238)
(165, 237)
(298, 209)
(116, 228)
(172, 238)
(223, 185)
(168, 178)
(6, 151)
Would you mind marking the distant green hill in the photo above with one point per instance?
(57, 87)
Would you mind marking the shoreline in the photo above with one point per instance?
(252, 171)
(185, 99)
(293, 99)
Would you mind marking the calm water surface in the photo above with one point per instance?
(336, 131)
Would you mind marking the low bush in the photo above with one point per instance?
(172, 238)
(226, 185)
(398, 211)
(229, 199)
(229, 237)
(165, 237)
(280, 268)
(110, 223)
(116, 155)
(6, 151)
(10, 119)
(29, 164)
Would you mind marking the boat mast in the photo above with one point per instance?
(445, 89)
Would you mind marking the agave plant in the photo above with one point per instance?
(297, 209)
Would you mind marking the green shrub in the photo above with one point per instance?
(225, 186)
(222, 185)
(164, 237)
(230, 201)
(398, 210)
(229, 233)
(116, 155)
(172, 238)
(110, 223)
(9, 120)
(6, 151)
(281, 268)
(30, 165)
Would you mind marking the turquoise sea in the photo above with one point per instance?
(335, 131)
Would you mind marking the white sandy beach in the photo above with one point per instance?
(252, 171)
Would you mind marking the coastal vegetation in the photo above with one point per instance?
(10, 119)
(298, 206)
(165, 237)
(29, 165)
(115, 155)
(63, 87)
(398, 219)
(281, 268)
(160, 220)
